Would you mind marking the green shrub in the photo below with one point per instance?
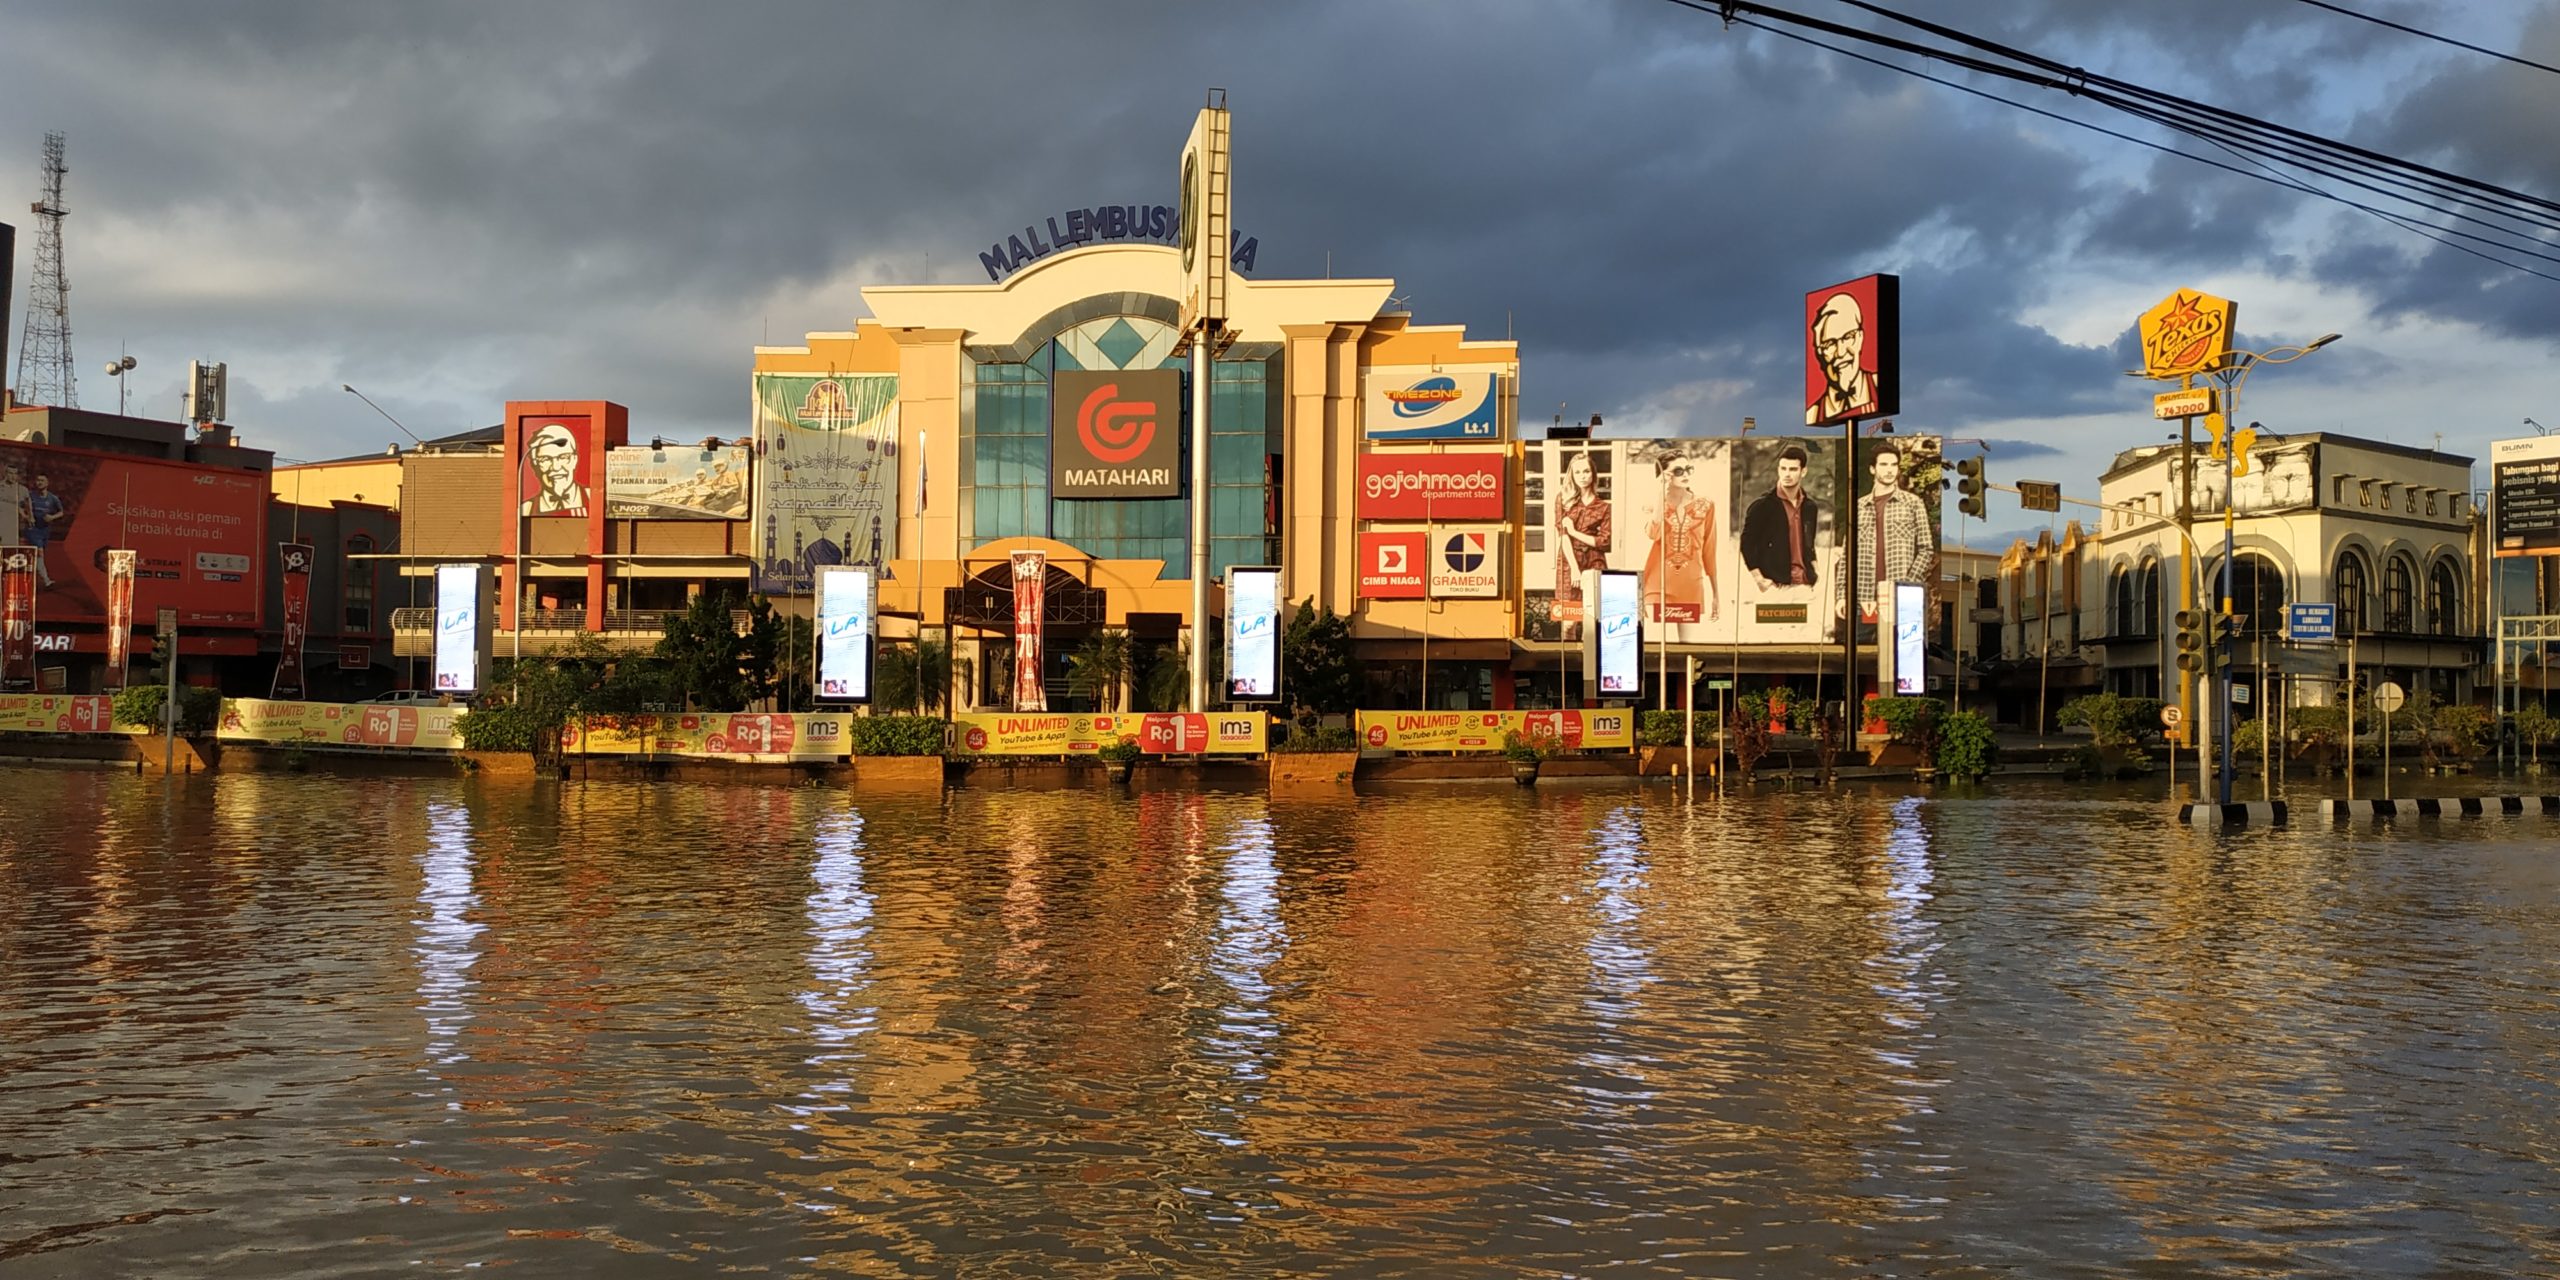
(1662, 728)
(198, 709)
(1123, 750)
(1307, 739)
(1519, 749)
(506, 727)
(1914, 722)
(895, 735)
(2113, 720)
(1967, 746)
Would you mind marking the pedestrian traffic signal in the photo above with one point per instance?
(2228, 627)
(2191, 656)
(1970, 486)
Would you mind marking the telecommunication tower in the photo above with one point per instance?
(44, 354)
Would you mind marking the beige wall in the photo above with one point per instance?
(373, 480)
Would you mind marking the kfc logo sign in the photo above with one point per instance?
(1115, 434)
(1448, 486)
(1391, 566)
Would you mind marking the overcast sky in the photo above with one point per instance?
(454, 205)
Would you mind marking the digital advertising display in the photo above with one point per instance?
(461, 628)
(1910, 639)
(1621, 656)
(1253, 634)
(2525, 495)
(845, 628)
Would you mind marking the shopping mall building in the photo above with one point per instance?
(1375, 461)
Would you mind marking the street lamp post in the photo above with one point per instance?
(2233, 374)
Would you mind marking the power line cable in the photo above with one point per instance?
(2229, 131)
(2423, 34)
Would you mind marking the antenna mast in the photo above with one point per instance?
(44, 354)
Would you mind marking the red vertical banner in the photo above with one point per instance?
(1030, 599)
(295, 559)
(119, 615)
(17, 619)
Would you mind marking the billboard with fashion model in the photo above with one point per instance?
(826, 489)
(1734, 540)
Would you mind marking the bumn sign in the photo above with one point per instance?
(1115, 434)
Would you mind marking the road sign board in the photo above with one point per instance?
(2389, 697)
(2308, 662)
(2170, 715)
(1713, 685)
(2240, 695)
(2311, 623)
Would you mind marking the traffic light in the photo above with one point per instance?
(1970, 486)
(2191, 655)
(2229, 626)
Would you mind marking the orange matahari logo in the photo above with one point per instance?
(2187, 332)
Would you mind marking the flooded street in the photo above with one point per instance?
(274, 1025)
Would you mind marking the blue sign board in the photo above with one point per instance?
(2311, 622)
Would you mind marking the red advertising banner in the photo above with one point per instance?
(17, 619)
(1392, 566)
(1030, 600)
(295, 559)
(198, 532)
(120, 565)
(1396, 485)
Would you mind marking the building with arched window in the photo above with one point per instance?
(2382, 531)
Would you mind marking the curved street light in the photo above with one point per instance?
(2234, 374)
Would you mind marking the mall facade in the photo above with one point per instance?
(1376, 462)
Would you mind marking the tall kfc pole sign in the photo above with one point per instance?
(1030, 578)
(17, 619)
(120, 565)
(296, 561)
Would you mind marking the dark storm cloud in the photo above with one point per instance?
(453, 205)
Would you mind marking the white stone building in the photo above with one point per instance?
(2386, 532)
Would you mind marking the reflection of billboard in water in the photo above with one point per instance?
(680, 482)
(1734, 540)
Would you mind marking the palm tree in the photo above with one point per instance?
(1099, 667)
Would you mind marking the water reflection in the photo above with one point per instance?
(839, 955)
(444, 945)
(1249, 940)
(670, 1029)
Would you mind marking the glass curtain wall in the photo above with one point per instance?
(1008, 449)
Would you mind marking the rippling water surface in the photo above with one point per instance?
(285, 1026)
